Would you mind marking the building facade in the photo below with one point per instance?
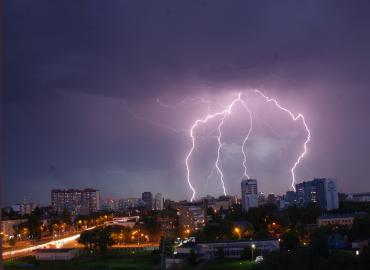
(359, 197)
(249, 194)
(76, 201)
(320, 191)
(336, 219)
(147, 197)
(191, 216)
(235, 249)
(158, 201)
(24, 208)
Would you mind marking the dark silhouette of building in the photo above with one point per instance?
(147, 197)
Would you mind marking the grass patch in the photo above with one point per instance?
(113, 260)
(221, 264)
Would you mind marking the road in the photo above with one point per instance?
(21, 252)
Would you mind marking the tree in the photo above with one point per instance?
(192, 258)
(96, 239)
(65, 216)
(166, 246)
(261, 235)
(319, 241)
(361, 228)
(343, 260)
(290, 240)
(12, 241)
(365, 257)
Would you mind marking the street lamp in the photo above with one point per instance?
(253, 247)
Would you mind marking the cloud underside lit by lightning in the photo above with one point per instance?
(299, 116)
(223, 115)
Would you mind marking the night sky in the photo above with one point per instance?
(81, 79)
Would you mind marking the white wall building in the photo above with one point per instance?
(249, 194)
(331, 194)
(158, 201)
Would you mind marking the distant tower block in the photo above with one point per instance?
(249, 194)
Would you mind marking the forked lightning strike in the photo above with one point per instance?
(246, 139)
(223, 113)
(295, 118)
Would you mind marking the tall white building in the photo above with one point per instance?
(158, 201)
(331, 194)
(249, 194)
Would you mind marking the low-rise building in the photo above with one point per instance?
(359, 197)
(235, 249)
(337, 219)
(8, 226)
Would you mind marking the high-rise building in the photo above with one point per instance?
(320, 191)
(158, 201)
(147, 197)
(249, 194)
(24, 208)
(76, 201)
(130, 203)
(110, 205)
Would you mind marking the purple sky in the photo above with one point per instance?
(74, 74)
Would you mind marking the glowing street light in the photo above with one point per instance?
(253, 247)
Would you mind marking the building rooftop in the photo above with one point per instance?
(53, 250)
(344, 215)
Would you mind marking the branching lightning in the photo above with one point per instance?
(217, 162)
(223, 113)
(246, 139)
(295, 118)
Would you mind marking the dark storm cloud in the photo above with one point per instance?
(72, 68)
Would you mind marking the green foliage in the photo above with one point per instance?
(192, 258)
(361, 228)
(211, 232)
(343, 260)
(319, 241)
(365, 257)
(96, 239)
(281, 260)
(290, 240)
(166, 246)
(306, 215)
(261, 235)
(156, 256)
(65, 216)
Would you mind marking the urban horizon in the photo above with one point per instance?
(185, 135)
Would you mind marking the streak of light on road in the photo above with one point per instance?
(59, 242)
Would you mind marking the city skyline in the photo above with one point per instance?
(106, 98)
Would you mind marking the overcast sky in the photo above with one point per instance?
(81, 79)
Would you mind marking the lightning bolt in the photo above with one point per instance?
(217, 162)
(197, 122)
(246, 139)
(295, 118)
